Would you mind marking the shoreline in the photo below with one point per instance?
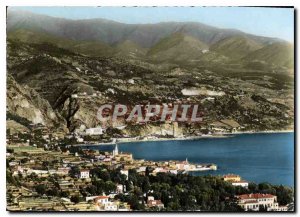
(212, 136)
(261, 132)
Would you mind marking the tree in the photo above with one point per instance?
(103, 174)
(24, 160)
(109, 187)
(10, 150)
(179, 192)
(133, 200)
(284, 194)
(40, 189)
(52, 192)
(100, 186)
(45, 164)
(174, 205)
(74, 171)
(146, 185)
(92, 190)
(147, 172)
(64, 194)
(75, 199)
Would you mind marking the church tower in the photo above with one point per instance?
(116, 151)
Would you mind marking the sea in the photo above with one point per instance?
(257, 157)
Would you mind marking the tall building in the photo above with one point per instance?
(116, 151)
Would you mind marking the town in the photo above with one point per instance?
(62, 177)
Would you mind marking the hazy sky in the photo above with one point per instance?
(272, 22)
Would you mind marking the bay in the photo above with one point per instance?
(258, 157)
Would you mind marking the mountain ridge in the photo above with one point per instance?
(146, 35)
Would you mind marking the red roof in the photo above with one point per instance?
(255, 196)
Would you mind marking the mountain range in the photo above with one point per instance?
(161, 42)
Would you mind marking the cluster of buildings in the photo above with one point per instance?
(118, 159)
(37, 166)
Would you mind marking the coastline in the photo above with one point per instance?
(260, 132)
(212, 136)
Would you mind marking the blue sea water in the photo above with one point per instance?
(261, 157)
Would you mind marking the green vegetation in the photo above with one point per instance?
(84, 47)
(280, 53)
(177, 47)
(177, 192)
(235, 47)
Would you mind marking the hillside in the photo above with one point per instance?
(236, 47)
(129, 49)
(91, 48)
(25, 106)
(177, 47)
(74, 86)
(280, 53)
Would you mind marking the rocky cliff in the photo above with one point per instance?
(26, 106)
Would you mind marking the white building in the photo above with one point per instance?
(241, 183)
(84, 174)
(104, 204)
(101, 199)
(254, 201)
(94, 131)
(111, 206)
